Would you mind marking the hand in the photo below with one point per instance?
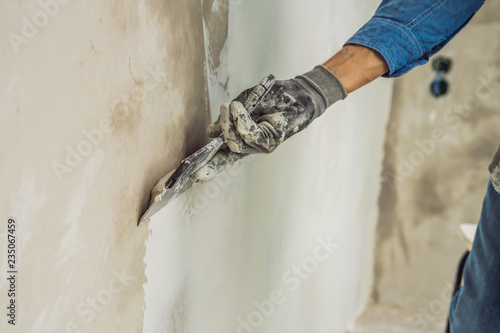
(287, 109)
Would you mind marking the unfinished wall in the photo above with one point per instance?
(98, 101)
(435, 174)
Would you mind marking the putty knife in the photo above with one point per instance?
(178, 181)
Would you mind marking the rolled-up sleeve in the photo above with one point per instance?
(407, 32)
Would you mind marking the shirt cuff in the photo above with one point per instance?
(395, 42)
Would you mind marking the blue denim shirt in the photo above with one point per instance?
(407, 32)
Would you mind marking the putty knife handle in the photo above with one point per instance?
(258, 93)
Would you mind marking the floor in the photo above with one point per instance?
(399, 320)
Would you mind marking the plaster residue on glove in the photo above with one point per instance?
(279, 116)
(288, 108)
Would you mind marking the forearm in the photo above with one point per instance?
(356, 66)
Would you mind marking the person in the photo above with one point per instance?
(401, 35)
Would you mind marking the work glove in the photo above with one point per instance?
(288, 108)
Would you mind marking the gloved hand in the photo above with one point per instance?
(287, 109)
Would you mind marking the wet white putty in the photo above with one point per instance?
(225, 248)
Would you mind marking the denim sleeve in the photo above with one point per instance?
(407, 32)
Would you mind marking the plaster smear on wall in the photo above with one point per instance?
(99, 101)
(246, 252)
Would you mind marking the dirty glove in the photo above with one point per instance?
(287, 109)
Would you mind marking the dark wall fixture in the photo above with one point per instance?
(439, 86)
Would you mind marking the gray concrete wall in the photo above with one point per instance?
(435, 175)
